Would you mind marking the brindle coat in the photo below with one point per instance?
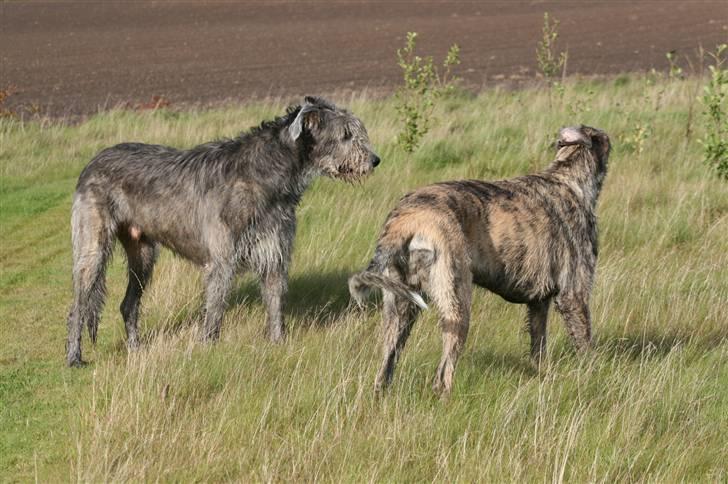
(531, 240)
(223, 205)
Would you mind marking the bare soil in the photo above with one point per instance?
(69, 58)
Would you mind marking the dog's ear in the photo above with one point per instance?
(311, 116)
(307, 118)
(320, 102)
(600, 142)
(313, 100)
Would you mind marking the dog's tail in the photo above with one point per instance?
(359, 285)
(387, 253)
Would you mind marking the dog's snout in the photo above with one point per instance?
(375, 160)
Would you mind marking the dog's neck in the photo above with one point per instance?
(577, 167)
(288, 173)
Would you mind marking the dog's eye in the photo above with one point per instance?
(347, 136)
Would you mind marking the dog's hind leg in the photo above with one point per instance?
(93, 242)
(451, 291)
(141, 255)
(537, 317)
(398, 318)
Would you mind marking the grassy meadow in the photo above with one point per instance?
(649, 403)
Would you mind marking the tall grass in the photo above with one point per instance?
(649, 403)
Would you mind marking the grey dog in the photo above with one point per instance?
(225, 205)
(531, 240)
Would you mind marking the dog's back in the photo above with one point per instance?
(144, 187)
(512, 235)
(124, 160)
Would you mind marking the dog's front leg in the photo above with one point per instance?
(218, 278)
(273, 286)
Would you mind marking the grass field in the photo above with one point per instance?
(649, 403)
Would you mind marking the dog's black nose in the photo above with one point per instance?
(375, 160)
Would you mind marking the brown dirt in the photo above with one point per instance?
(78, 57)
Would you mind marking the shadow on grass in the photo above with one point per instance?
(506, 363)
(650, 344)
(183, 319)
(656, 344)
(315, 299)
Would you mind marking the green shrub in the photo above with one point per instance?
(715, 114)
(549, 60)
(423, 85)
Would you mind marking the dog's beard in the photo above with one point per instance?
(348, 174)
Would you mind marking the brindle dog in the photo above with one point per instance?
(531, 240)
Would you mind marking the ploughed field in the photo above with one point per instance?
(74, 57)
(648, 403)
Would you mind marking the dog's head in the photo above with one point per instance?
(336, 142)
(577, 140)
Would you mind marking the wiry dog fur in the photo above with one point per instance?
(531, 240)
(223, 205)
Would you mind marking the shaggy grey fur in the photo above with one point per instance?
(224, 205)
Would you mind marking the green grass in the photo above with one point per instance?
(649, 403)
